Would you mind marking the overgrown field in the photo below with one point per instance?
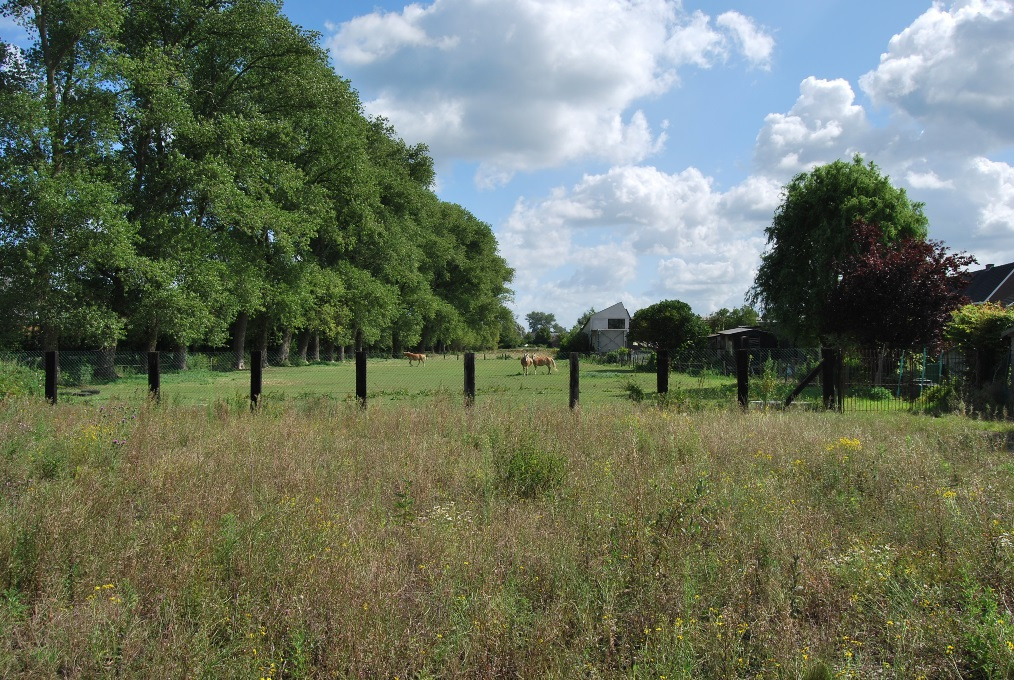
(318, 540)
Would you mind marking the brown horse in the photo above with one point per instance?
(421, 358)
(548, 362)
(526, 362)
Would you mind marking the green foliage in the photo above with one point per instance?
(669, 324)
(941, 399)
(898, 295)
(617, 356)
(812, 228)
(18, 380)
(879, 393)
(526, 469)
(978, 328)
(203, 168)
(725, 319)
(634, 391)
(404, 504)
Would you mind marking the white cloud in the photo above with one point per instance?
(756, 45)
(602, 234)
(927, 180)
(995, 184)
(953, 70)
(825, 123)
(375, 37)
(528, 84)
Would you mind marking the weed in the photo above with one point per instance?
(527, 470)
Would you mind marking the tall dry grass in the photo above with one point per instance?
(315, 540)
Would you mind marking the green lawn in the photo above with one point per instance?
(391, 381)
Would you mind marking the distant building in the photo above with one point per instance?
(608, 330)
(992, 284)
(746, 337)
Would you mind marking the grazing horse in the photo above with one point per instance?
(421, 358)
(548, 362)
(526, 363)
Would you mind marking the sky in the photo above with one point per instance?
(634, 150)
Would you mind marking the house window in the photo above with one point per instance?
(616, 324)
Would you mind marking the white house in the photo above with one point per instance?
(607, 330)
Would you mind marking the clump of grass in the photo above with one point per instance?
(527, 469)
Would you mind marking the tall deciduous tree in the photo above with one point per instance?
(669, 325)
(725, 318)
(899, 295)
(812, 230)
(62, 227)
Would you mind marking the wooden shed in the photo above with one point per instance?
(748, 337)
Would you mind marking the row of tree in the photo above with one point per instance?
(193, 172)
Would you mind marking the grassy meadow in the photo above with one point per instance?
(314, 539)
(395, 382)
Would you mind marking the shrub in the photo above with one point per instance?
(17, 380)
(529, 471)
(634, 391)
(942, 398)
(879, 393)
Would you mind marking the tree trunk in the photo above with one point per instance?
(50, 338)
(283, 352)
(106, 368)
(878, 379)
(180, 357)
(151, 338)
(304, 344)
(262, 342)
(329, 351)
(341, 352)
(359, 340)
(395, 345)
(239, 341)
(315, 346)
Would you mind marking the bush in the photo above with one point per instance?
(940, 399)
(879, 393)
(198, 362)
(617, 356)
(634, 391)
(530, 471)
(17, 380)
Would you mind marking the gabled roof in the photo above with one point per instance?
(987, 283)
(613, 311)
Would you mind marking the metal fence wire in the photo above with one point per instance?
(868, 380)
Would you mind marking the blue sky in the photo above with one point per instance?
(634, 150)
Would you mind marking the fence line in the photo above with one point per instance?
(755, 378)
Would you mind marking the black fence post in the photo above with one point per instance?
(662, 372)
(52, 363)
(575, 386)
(361, 377)
(469, 378)
(154, 376)
(256, 378)
(743, 377)
(839, 378)
(827, 377)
